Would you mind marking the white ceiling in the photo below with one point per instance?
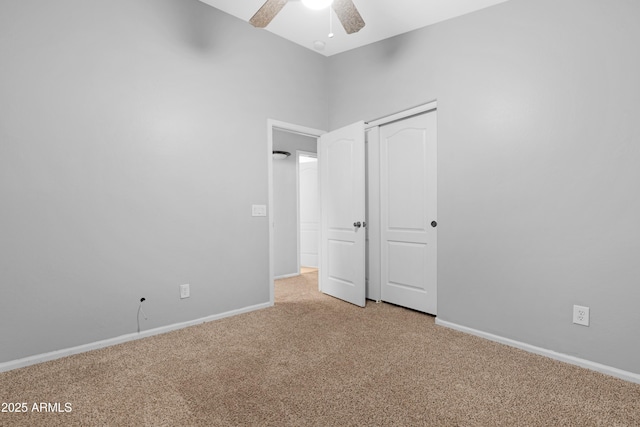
(383, 18)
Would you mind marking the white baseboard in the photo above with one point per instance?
(286, 276)
(39, 358)
(594, 366)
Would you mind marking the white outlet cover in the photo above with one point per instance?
(581, 315)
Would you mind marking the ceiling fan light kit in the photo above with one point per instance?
(345, 10)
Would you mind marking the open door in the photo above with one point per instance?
(342, 221)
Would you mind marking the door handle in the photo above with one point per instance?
(357, 224)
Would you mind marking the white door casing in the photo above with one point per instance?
(372, 165)
(341, 161)
(408, 199)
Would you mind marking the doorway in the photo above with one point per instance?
(287, 198)
(275, 128)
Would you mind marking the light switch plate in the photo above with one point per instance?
(258, 210)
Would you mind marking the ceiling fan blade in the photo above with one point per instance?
(267, 12)
(348, 15)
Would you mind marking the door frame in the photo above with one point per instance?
(292, 128)
(422, 108)
(298, 154)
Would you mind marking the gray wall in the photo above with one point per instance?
(538, 139)
(132, 146)
(285, 201)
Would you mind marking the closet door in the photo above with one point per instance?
(408, 162)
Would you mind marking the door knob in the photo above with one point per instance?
(434, 224)
(357, 224)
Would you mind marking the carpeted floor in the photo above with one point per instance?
(314, 360)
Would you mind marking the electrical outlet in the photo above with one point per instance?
(581, 315)
(184, 291)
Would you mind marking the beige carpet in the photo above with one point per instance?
(314, 360)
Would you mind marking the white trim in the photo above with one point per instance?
(45, 357)
(594, 366)
(402, 114)
(293, 128)
(298, 211)
(287, 127)
(286, 276)
(374, 245)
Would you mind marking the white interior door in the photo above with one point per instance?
(408, 176)
(309, 210)
(342, 192)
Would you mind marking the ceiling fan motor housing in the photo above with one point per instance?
(345, 10)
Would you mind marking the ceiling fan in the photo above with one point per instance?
(345, 9)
